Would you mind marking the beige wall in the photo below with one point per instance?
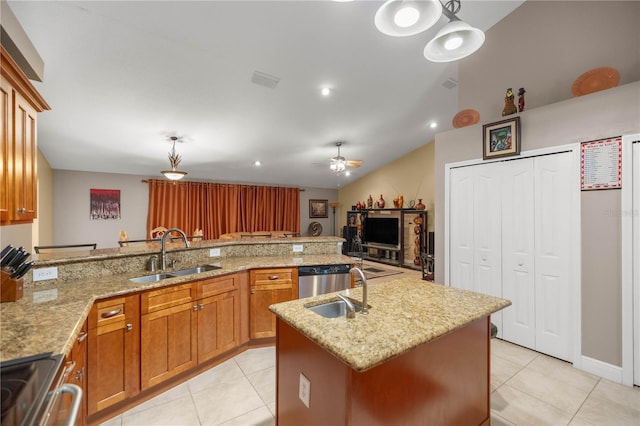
(544, 46)
(43, 226)
(411, 176)
(603, 114)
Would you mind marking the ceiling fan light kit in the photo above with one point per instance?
(454, 41)
(174, 160)
(339, 164)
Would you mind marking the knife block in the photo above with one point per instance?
(10, 289)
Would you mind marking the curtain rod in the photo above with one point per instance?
(246, 184)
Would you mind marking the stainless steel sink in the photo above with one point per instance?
(173, 274)
(151, 278)
(333, 309)
(196, 270)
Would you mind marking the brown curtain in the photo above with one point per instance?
(219, 208)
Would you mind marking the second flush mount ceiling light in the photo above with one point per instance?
(456, 40)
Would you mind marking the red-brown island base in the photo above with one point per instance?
(442, 382)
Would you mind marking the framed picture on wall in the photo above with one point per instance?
(105, 204)
(501, 139)
(318, 208)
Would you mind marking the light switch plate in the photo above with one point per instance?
(298, 248)
(304, 391)
(214, 252)
(42, 274)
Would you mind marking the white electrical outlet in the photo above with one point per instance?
(214, 252)
(340, 247)
(298, 248)
(42, 274)
(304, 391)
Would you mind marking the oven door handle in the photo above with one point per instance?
(76, 401)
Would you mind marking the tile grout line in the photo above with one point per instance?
(585, 400)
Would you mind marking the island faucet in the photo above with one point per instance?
(364, 311)
(164, 244)
(351, 308)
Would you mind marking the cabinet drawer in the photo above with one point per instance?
(110, 312)
(272, 276)
(155, 300)
(217, 285)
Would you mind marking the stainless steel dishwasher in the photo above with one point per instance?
(321, 279)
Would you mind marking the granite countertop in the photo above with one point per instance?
(49, 316)
(404, 313)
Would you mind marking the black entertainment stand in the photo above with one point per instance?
(411, 235)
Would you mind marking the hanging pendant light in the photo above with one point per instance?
(401, 18)
(174, 160)
(454, 41)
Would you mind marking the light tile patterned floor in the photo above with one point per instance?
(528, 388)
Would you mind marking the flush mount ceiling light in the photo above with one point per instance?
(401, 18)
(174, 160)
(454, 41)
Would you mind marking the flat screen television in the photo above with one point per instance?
(382, 230)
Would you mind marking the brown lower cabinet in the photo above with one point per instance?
(76, 362)
(181, 328)
(269, 286)
(139, 341)
(113, 357)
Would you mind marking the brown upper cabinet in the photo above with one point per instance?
(19, 105)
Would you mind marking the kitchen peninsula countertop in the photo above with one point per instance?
(404, 313)
(49, 316)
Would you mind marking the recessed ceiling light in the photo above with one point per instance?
(257, 163)
(325, 91)
(433, 125)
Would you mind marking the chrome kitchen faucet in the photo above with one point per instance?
(164, 244)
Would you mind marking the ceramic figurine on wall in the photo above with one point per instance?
(369, 202)
(380, 202)
(521, 93)
(509, 106)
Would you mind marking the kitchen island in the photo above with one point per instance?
(421, 356)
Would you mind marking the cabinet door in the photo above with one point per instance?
(77, 359)
(6, 132)
(25, 156)
(269, 286)
(113, 362)
(218, 324)
(168, 343)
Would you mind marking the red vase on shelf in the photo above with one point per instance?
(420, 205)
(381, 202)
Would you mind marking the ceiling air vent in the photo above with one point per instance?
(450, 83)
(266, 80)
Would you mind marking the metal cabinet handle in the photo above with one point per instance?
(79, 375)
(195, 307)
(69, 367)
(201, 306)
(111, 313)
(82, 336)
(129, 327)
(21, 211)
(273, 277)
(76, 401)
(253, 291)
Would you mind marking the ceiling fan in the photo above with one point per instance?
(339, 164)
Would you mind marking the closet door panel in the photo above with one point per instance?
(518, 252)
(553, 216)
(487, 229)
(461, 228)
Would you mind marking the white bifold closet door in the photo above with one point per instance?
(509, 237)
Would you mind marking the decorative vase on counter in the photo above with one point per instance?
(380, 202)
(369, 202)
(420, 206)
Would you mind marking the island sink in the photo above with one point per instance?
(335, 309)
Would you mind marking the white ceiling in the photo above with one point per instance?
(122, 76)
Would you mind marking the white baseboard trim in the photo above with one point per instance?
(600, 368)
